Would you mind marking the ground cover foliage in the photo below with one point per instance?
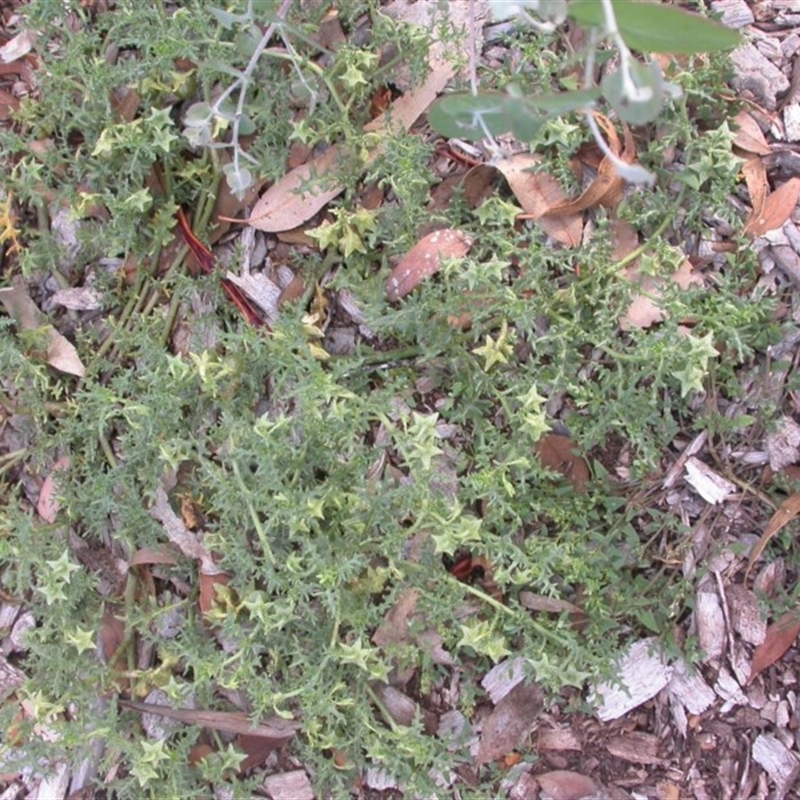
(291, 511)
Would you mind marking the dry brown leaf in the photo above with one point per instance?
(608, 186)
(478, 183)
(547, 605)
(644, 309)
(188, 542)
(160, 554)
(47, 506)
(557, 452)
(283, 206)
(780, 637)
(207, 592)
(424, 259)
(538, 193)
(61, 354)
(749, 136)
(8, 105)
(256, 750)
(111, 633)
(604, 190)
(625, 239)
(561, 784)
(512, 718)
(778, 207)
(755, 177)
(395, 627)
(226, 721)
(787, 511)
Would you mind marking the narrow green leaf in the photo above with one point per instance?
(524, 121)
(564, 102)
(466, 116)
(225, 18)
(657, 28)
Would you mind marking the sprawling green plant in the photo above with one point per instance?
(636, 91)
(334, 489)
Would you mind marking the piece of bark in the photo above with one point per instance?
(730, 691)
(756, 74)
(783, 444)
(642, 673)
(734, 13)
(11, 678)
(746, 617)
(710, 485)
(710, 624)
(293, 785)
(688, 687)
(780, 763)
(510, 721)
(558, 739)
(503, 677)
(636, 747)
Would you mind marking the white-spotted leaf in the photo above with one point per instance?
(425, 259)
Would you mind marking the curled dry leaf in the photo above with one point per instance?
(608, 186)
(424, 259)
(755, 177)
(538, 193)
(160, 554)
(749, 136)
(61, 354)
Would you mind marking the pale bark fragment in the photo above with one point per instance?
(780, 763)
(734, 13)
(637, 747)
(688, 687)
(643, 673)
(53, 786)
(293, 785)
(729, 690)
(559, 739)
(11, 678)
(710, 624)
(783, 444)
(756, 74)
(503, 677)
(710, 485)
(746, 617)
